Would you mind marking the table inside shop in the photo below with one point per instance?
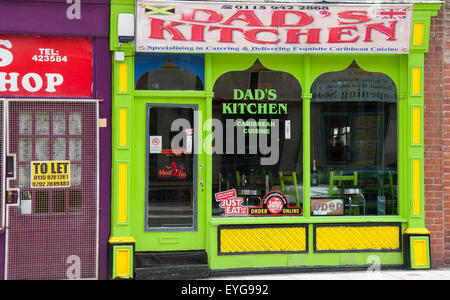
(251, 195)
(380, 183)
(320, 191)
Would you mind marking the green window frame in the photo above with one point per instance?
(306, 68)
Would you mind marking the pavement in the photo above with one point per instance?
(372, 274)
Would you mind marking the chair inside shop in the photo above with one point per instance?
(288, 183)
(252, 184)
(380, 191)
(337, 179)
(346, 186)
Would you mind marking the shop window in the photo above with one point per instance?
(41, 202)
(169, 72)
(75, 149)
(25, 123)
(75, 121)
(59, 201)
(59, 123)
(354, 144)
(257, 143)
(42, 149)
(42, 123)
(25, 149)
(75, 174)
(75, 201)
(59, 148)
(51, 135)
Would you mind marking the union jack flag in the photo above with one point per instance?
(391, 13)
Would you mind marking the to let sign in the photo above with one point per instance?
(272, 27)
(50, 174)
(45, 66)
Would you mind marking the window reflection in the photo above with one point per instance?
(354, 144)
(169, 77)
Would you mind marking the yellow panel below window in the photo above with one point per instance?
(420, 253)
(123, 263)
(263, 239)
(348, 238)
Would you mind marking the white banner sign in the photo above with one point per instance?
(208, 27)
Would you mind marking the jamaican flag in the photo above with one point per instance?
(159, 10)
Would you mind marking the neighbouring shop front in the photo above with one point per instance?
(54, 95)
(267, 136)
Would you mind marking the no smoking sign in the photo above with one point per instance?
(155, 144)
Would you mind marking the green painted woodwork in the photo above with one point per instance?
(159, 241)
(306, 68)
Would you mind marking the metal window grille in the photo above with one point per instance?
(57, 237)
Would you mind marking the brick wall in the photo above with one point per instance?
(446, 128)
(437, 137)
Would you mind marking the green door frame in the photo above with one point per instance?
(171, 239)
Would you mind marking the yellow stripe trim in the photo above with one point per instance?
(416, 80)
(417, 231)
(416, 116)
(416, 187)
(123, 127)
(123, 77)
(121, 240)
(418, 33)
(123, 193)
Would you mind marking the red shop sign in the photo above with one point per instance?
(45, 66)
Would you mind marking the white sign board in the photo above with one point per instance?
(208, 27)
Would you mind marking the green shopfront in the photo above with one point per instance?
(267, 136)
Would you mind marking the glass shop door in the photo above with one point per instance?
(175, 176)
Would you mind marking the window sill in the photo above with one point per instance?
(216, 221)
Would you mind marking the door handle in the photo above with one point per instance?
(200, 174)
(12, 196)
